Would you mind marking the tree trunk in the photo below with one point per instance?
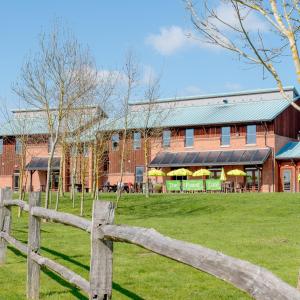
(73, 178)
(119, 189)
(82, 187)
(146, 154)
(49, 174)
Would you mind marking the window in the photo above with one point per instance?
(251, 134)
(139, 174)
(215, 173)
(1, 146)
(189, 137)
(115, 141)
(166, 138)
(225, 136)
(74, 150)
(85, 150)
(18, 147)
(137, 140)
(49, 144)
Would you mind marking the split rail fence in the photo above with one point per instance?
(256, 281)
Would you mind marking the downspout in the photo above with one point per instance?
(295, 176)
(273, 156)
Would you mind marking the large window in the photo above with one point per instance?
(251, 134)
(1, 146)
(189, 137)
(85, 150)
(139, 174)
(136, 140)
(115, 141)
(225, 136)
(18, 147)
(166, 138)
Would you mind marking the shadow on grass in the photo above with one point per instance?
(72, 289)
(125, 292)
(66, 258)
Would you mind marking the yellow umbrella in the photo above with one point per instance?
(236, 173)
(223, 175)
(180, 172)
(202, 172)
(155, 173)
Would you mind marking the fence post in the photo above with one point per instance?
(5, 221)
(101, 252)
(33, 268)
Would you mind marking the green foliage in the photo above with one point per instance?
(261, 228)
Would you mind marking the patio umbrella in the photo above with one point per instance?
(156, 173)
(180, 172)
(236, 173)
(202, 172)
(223, 175)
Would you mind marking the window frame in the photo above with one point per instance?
(223, 140)
(137, 143)
(166, 141)
(115, 148)
(249, 135)
(191, 138)
(136, 176)
(1, 146)
(18, 147)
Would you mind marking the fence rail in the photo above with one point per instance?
(256, 281)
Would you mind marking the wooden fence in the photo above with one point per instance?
(256, 281)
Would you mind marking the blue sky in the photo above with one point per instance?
(154, 29)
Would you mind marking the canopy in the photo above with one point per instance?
(41, 164)
(236, 172)
(223, 175)
(210, 158)
(202, 172)
(180, 172)
(155, 172)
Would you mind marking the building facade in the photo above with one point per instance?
(254, 131)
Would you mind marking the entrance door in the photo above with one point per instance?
(16, 181)
(287, 180)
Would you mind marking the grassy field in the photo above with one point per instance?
(261, 228)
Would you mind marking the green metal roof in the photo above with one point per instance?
(289, 151)
(218, 95)
(22, 126)
(214, 114)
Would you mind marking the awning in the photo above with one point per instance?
(211, 158)
(41, 164)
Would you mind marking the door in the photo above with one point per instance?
(287, 180)
(16, 181)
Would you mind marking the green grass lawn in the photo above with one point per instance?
(261, 228)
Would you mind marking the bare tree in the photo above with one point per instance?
(57, 79)
(131, 79)
(267, 46)
(150, 117)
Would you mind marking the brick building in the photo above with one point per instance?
(255, 131)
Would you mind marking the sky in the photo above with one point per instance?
(155, 30)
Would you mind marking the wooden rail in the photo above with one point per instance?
(256, 281)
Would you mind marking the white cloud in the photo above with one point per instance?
(252, 22)
(171, 39)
